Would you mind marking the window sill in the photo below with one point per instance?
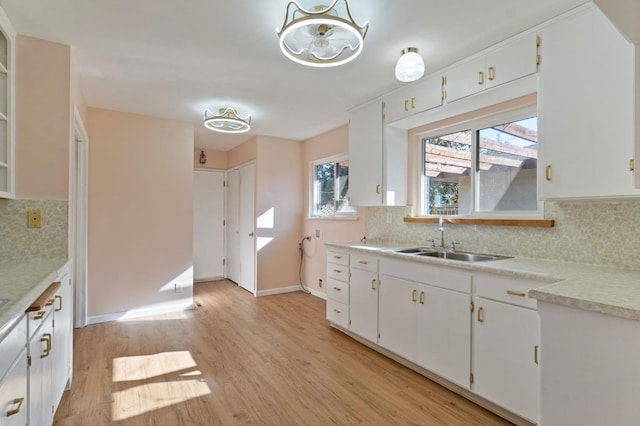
(347, 218)
(529, 223)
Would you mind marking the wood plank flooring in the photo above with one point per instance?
(240, 360)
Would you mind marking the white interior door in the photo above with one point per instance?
(247, 227)
(233, 215)
(208, 224)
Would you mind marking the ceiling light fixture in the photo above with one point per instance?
(410, 66)
(326, 36)
(227, 121)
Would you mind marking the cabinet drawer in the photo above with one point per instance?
(12, 344)
(367, 263)
(13, 392)
(338, 291)
(338, 272)
(338, 257)
(338, 313)
(507, 289)
(37, 318)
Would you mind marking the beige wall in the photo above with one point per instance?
(215, 159)
(326, 145)
(279, 191)
(43, 119)
(243, 153)
(140, 212)
(77, 99)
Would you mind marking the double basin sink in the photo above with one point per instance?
(462, 256)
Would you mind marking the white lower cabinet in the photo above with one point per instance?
(13, 375)
(40, 347)
(62, 349)
(398, 316)
(363, 296)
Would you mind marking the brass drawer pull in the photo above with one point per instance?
(516, 293)
(480, 78)
(491, 73)
(422, 297)
(337, 311)
(373, 284)
(413, 295)
(46, 338)
(337, 257)
(547, 173)
(50, 302)
(60, 299)
(535, 354)
(363, 262)
(378, 189)
(413, 103)
(406, 105)
(20, 402)
(39, 315)
(337, 271)
(480, 316)
(337, 289)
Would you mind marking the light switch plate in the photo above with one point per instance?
(34, 219)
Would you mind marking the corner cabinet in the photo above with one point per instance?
(586, 105)
(7, 107)
(377, 159)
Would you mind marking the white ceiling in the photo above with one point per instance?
(175, 58)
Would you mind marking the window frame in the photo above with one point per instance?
(475, 123)
(312, 183)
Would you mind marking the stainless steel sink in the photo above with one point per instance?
(462, 256)
(413, 250)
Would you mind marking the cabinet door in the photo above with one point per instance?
(363, 304)
(7, 107)
(40, 374)
(412, 99)
(398, 323)
(514, 60)
(13, 393)
(365, 155)
(504, 356)
(586, 108)
(444, 334)
(465, 79)
(62, 348)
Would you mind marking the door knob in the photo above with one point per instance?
(251, 234)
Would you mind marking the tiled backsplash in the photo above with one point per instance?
(599, 232)
(19, 242)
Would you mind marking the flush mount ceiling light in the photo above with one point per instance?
(325, 36)
(410, 66)
(227, 121)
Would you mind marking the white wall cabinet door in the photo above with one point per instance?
(365, 155)
(444, 336)
(398, 321)
(465, 79)
(363, 304)
(208, 224)
(505, 370)
(409, 100)
(7, 107)
(514, 60)
(586, 105)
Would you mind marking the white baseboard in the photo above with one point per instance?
(203, 280)
(317, 293)
(136, 313)
(290, 289)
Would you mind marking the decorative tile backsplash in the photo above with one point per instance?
(19, 242)
(598, 232)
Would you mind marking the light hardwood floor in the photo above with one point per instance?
(240, 360)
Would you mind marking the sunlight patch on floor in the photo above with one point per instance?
(156, 381)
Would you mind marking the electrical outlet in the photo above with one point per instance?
(318, 233)
(34, 219)
(177, 288)
(320, 282)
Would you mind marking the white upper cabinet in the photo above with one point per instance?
(586, 108)
(514, 59)
(7, 107)
(412, 99)
(377, 159)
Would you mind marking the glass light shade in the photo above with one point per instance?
(227, 121)
(410, 66)
(326, 36)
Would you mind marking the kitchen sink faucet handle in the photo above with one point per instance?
(433, 242)
(453, 245)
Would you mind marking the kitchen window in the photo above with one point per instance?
(330, 188)
(484, 167)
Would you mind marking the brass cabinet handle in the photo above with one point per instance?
(516, 293)
(413, 103)
(50, 302)
(337, 289)
(422, 297)
(60, 299)
(363, 262)
(337, 271)
(491, 73)
(413, 295)
(39, 315)
(46, 338)
(406, 105)
(535, 353)
(480, 77)
(480, 316)
(20, 402)
(632, 165)
(373, 284)
(547, 173)
(378, 189)
(337, 257)
(337, 311)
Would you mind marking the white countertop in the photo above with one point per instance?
(21, 282)
(593, 288)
